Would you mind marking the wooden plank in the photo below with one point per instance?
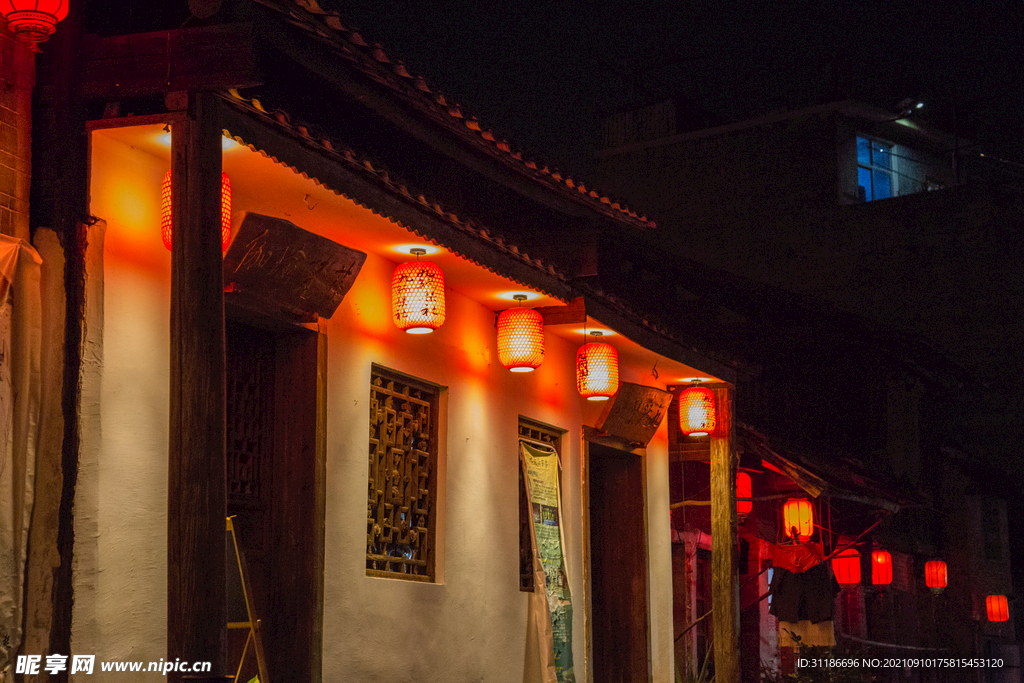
(202, 58)
(574, 313)
(290, 268)
(634, 413)
(196, 603)
(724, 563)
(294, 632)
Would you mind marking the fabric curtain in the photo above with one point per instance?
(20, 358)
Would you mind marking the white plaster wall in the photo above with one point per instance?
(471, 624)
(120, 573)
(468, 626)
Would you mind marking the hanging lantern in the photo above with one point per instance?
(881, 568)
(33, 21)
(846, 567)
(597, 370)
(225, 210)
(520, 337)
(417, 295)
(798, 514)
(697, 411)
(935, 575)
(744, 489)
(997, 608)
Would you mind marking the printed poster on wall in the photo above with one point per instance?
(540, 469)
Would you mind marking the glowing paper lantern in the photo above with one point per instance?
(798, 514)
(520, 338)
(881, 568)
(597, 370)
(225, 210)
(997, 608)
(33, 21)
(417, 295)
(744, 489)
(697, 411)
(846, 567)
(935, 576)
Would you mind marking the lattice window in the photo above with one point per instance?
(401, 505)
(531, 432)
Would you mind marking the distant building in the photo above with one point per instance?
(876, 214)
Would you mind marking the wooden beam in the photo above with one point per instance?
(204, 58)
(724, 562)
(196, 607)
(574, 313)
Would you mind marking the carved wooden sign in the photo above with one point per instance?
(634, 413)
(282, 266)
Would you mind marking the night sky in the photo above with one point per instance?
(545, 73)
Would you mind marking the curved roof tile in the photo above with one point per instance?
(309, 16)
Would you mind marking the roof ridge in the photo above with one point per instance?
(327, 25)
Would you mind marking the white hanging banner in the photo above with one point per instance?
(20, 357)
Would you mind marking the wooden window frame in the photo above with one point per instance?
(417, 530)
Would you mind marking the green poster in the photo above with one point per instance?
(541, 469)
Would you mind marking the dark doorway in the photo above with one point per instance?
(275, 487)
(618, 565)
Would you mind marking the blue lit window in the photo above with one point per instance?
(874, 169)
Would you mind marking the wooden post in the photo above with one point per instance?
(724, 575)
(196, 607)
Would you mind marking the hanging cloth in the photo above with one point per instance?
(20, 366)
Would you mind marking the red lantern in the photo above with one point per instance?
(697, 411)
(520, 338)
(597, 370)
(798, 514)
(846, 567)
(744, 489)
(417, 295)
(33, 21)
(225, 210)
(881, 568)
(935, 575)
(997, 608)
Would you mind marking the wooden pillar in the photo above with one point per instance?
(724, 575)
(196, 605)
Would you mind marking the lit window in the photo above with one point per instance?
(874, 169)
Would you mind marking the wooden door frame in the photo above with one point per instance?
(298, 524)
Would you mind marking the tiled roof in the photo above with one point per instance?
(374, 62)
(374, 170)
(561, 284)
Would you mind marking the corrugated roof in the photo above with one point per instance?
(371, 59)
